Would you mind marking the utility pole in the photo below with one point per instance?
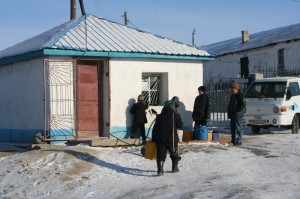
(125, 18)
(73, 9)
(193, 37)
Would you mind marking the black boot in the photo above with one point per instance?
(175, 161)
(160, 167)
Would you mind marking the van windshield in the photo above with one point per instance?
(266, 90)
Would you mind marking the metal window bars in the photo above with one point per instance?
(60, 100)
(151, 88)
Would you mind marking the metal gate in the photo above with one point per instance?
(60, 100)
(220, 96)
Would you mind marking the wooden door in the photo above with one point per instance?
(88, 100)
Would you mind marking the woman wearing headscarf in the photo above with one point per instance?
(139, 118)
(165, 135)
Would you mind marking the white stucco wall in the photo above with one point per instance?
(229, 65)
(184, 78)
(21, 96)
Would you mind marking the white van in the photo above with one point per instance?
(273, 102)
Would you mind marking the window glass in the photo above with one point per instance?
(294, 88)
(266, 90)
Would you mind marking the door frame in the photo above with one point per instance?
(100, 71)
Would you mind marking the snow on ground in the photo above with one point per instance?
(266, 166)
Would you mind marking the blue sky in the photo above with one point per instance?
(214, 20)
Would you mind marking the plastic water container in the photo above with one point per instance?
(187, 136)
(150, 152)
(210, 136)
(201, 133)
(215, 136)
(180, 135)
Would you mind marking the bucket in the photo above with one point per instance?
(150, 152)
(201, 133)
(210, 136)
(215, 136)
(180, 135)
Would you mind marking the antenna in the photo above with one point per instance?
(193, 37)
(125, 18)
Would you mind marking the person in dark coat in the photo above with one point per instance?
(139, 118)
(235, 113)
(164, 134)
(201, 110)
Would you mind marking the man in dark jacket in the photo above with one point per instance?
(201, 111)
(235, 114)
(139, 118)
(165, 135)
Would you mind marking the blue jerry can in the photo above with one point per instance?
(201, 133)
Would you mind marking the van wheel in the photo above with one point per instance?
(255, 129)
(295, 125)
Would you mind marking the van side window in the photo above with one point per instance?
(294, 88)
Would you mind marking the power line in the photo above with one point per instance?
(98, 4)
(132, 24)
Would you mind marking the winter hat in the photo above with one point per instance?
(234, 85)
(170, 104)
(176, 101)
(202, 88)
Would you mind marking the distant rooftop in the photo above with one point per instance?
(257, 40)
(90, 35)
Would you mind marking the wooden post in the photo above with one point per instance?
(125, 18)
(73, 9)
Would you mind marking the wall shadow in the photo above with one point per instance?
(129, 117)
(186, 117)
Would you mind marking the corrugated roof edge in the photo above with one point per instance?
(57, 52)
(35, 43)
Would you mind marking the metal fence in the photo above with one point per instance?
(220, 96)
(274, 72)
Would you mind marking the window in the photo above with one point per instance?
(244, 67)
(294, 88)
(152, 88)
(281, 66)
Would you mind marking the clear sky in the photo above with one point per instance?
(213, 20)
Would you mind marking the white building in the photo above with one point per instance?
(79, 80)
(236, 58)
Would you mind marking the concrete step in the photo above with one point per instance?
(105, 142)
